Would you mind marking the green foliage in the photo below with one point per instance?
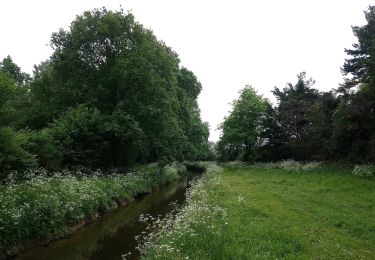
(8, 67)
(299, 127)
(195, 145)
(354, 125)
(241, 127)
(43, 145)
(295, 108)
(7, 89)
(13, 152)
(272, 138)
(111, 94)
(361, 64)
(145, 107)
(78, 134)
(354, 121)
(87, 137)
(13, 144)
(108, 61)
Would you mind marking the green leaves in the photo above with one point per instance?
(113, 94)
(241, 128)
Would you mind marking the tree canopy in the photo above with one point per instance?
(111, 94)
(307, 124)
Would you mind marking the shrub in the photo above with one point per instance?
(48, 154)
(168, 173)
(13, 152)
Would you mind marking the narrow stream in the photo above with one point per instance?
(113, 235)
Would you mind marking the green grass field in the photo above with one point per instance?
(268, 213)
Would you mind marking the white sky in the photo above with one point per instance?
(227, 44)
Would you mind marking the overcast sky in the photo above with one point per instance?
(227, 44)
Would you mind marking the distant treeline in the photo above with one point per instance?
(111, 95)
(307, 124)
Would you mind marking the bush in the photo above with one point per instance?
(48, 154)
(168, 173)
(13, 152)
(79, 136)
(364, 170)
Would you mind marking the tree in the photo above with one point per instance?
(361, 64)
(272, 145)
(241, 127)
(196, 132)
(354, 120)
(108, 62)
(7, 89)
(13, 152)
(295, 109)
(8, 67)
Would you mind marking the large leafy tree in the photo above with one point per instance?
(241, 128)
(109, 63)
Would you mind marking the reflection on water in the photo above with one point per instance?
(113, 235)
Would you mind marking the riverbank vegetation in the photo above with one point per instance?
(265, 211)
(45, 206)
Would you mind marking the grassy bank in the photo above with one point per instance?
(272, 212)
(47, 206)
